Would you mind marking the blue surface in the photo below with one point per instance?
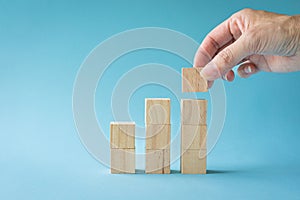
(43, 43)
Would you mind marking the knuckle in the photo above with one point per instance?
(226, 56)
(246, 11)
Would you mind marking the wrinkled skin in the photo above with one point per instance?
(254, 40)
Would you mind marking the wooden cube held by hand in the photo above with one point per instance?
(192, 81)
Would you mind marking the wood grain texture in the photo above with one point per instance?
(193, 111)
(158, 136)
(193, 136)
(157, 161)
(122, 161)
(166, 161)
(192, 81)
(157, 111)
(122, 135)
(193, 161)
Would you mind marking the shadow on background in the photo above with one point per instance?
(220, 171)
(209, 171)
(140, 171)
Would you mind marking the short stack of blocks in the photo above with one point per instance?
(122, 146)
(158, 133)
(193, 136)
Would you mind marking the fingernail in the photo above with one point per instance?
(248, 70)
(210, 72)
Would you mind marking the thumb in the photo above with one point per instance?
(226, 59)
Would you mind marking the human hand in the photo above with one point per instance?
(257, 40)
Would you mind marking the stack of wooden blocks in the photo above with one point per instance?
(193, 136)
(158, 133)
(193, 124)
(122, 146)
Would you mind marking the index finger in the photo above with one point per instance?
(212, 43)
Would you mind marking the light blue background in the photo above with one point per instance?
(43, 43)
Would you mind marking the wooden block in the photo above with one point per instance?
(193, 136)
(193, 161)
(193, 111)
(157, 161)
(158, 136)
(122, 135)
(154, 162)
(122, 161)
(166, 169)
(192, 81)
(157, 111)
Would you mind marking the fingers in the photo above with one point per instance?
(229, 76)
(247, 69)
(212, 43)
(226, 59)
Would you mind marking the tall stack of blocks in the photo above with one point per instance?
(193, 124)
(158, 132)
(122, 146)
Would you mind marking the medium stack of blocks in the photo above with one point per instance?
(122, 146)
(193, 136)
(158, 132)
